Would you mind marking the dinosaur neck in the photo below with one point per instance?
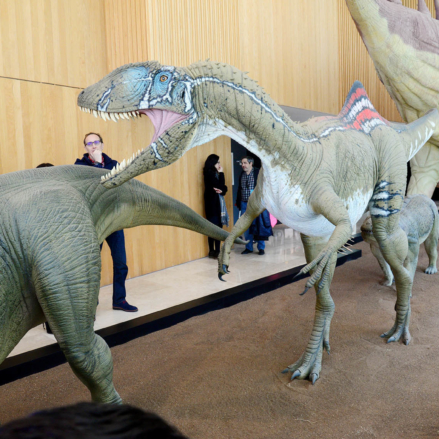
(370, 23)
(236, 106)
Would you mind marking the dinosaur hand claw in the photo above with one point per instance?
(223, 270)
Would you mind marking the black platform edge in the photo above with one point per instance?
(41, 359)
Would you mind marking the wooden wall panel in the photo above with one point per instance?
(53, 41)
(291, 48)
(356, 64)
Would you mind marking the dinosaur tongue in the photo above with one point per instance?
(162, 120)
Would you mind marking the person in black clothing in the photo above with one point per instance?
(214, 188)
(94, 156)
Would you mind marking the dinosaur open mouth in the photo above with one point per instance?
(162, 120)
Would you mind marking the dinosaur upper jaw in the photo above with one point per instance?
(149, 157)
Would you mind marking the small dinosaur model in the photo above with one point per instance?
(404, 46)
(52, 222)
(317, 177)
(420, 222)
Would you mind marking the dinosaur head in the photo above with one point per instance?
(164, 94)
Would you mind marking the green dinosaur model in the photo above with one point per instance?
(52, 222)
(404, 46)
(318, 177)
(419, 220)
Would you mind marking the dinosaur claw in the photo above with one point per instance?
(295, 375)
(304, 291)
(285, 370)
(225, 269)
(314, 377)
(391, 339)
(220, 277)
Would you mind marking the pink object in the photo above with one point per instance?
(162, 120)
(273, 220)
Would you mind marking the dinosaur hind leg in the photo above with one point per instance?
(310, 363)
(430, 245)
(385, 206)
(67, 281)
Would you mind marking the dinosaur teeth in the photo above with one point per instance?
(113, 117)
(95, 113)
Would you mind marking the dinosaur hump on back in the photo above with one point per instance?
(358, 112)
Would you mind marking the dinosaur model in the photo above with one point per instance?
(52, 222)
(404, 46)
(419, 220)
(317, 177)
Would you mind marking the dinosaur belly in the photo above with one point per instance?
(290, 207)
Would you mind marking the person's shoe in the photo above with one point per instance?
(261, 252)
(211, 254)
(125, 306)
(246, 252)
(216, 254)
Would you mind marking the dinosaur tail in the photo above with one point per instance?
(156, 208)
(415, 134)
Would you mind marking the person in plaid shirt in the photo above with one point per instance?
(247, 183)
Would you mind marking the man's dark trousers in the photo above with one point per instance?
(116, 242)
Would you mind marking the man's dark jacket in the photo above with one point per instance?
(109, 163)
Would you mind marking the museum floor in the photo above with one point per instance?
(218, 376)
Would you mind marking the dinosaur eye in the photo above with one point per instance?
(163, 78)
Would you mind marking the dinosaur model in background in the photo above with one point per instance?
(404, 46)
(317, 177)
(52, 222)
(419, 220)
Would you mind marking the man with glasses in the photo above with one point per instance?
(94, 156)
(247, 183)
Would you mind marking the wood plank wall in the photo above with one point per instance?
(304, 53)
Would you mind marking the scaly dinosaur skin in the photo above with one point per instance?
(318, 177)
(419, 220)
(404, 46)
(52, 222)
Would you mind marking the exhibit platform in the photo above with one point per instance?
(172, 295)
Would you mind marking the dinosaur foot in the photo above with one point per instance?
(309, 364)
(431, 269)
(399, 330)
